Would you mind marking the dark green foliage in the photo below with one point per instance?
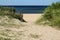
(18, 16)
(11, 12)
(52, 15)
(7, 10)
(52, 11)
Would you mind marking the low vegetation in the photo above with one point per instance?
(10, 22)
(7, 10)
(35, 36)
(11, 11)
(9, 16)
(51, 15)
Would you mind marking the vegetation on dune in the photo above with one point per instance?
(7, 10)
(10, 22)
(9, 17)
(11, 12)
(51, 15)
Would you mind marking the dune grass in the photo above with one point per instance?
(51, 15)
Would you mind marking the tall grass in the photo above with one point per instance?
(10, 11)
(7, 10)
(51, 15)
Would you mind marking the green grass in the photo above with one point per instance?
(10, 11)
(51, 15)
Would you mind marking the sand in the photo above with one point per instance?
(39, 32)
(31, 31)
(31, 17)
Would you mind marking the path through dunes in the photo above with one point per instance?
(39, 32)
(30, 31)
(31, 17)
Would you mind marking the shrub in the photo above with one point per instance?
(7, 10)
(52, 15)
(10, 11)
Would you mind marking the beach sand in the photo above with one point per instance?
(31, 17)
(39, 32)
(30, 31)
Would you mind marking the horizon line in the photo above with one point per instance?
(24, 5)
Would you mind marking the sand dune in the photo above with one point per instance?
(30, 31)
(39, 32)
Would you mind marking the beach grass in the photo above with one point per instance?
(51, 15)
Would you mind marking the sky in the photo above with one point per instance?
(27, 2)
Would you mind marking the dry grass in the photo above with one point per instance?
(29, 32)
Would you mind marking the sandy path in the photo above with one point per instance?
(31, 31)
(31, 17)
(39, 32)
(42, 32)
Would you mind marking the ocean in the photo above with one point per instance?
(29, 9)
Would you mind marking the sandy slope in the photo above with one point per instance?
(35, 32)
(44, 32)
(31, 31)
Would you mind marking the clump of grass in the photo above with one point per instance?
(1, 38)
(10, 11)
(7, 10)
(35, 36)
(51, 15)
(8, 34)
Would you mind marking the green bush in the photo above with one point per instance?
(7, 10)
(11, 12)
(52, 15)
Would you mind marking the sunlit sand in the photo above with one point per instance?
(30, 31)
(43, 31)
(31, 17)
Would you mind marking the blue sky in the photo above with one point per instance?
(27, 2)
